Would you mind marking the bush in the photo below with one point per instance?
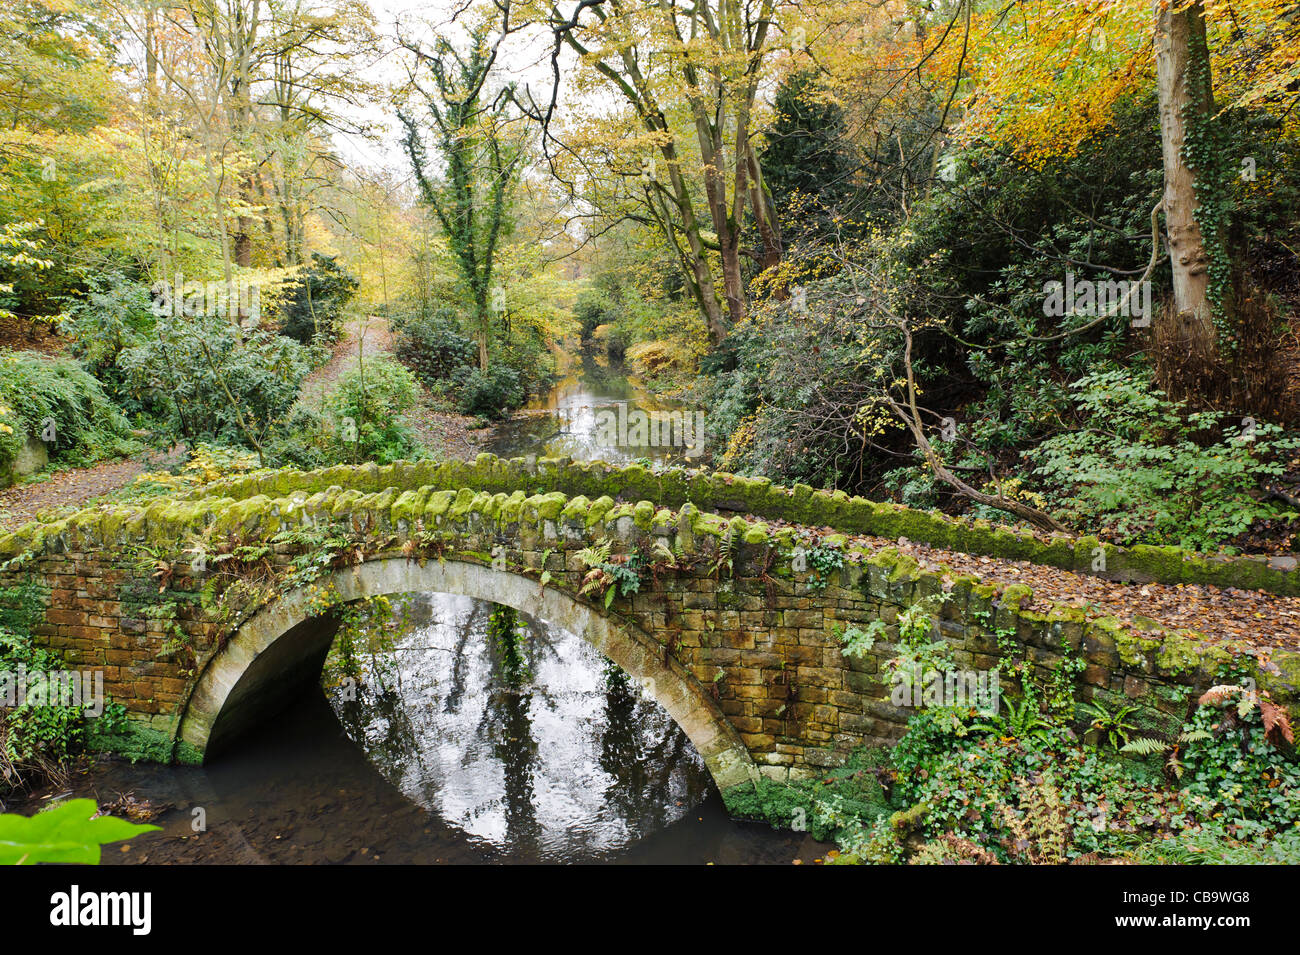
(1137, 469)
(656, 358)
(366, 409)
(36, 390)
(324, 288)
(433, 347)
(115, 315)
(213, 382)
(594, 307)
(38, 734)
(491, 393)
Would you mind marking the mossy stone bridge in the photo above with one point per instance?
(205, 610)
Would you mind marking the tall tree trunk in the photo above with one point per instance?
(1183, 91)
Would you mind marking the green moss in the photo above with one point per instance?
(438, 505)
(710, 524)
(1180, 653)
(550, 506)
(598, 510)
(461, 505)
(513, 507)
(575, 511)
(1282, 680)
(409, 506)
(783, 805)
(1016, 594)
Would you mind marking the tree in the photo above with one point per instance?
(1186, 99)
(806, 152)
(482, 160)
(690, 76)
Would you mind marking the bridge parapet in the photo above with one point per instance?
(801, 504)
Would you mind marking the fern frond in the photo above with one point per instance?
(594, 556)
(1145, 746)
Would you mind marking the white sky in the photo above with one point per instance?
(520, 60)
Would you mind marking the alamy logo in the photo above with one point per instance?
(1085, 297)
(82, 689)
(977, 689)
(636, 428)
(237, 300)
(74, 907)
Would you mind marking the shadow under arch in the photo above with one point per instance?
(283, 646)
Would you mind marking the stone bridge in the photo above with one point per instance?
(206, 610)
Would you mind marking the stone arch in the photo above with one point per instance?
(286, 643)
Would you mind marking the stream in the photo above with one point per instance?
(434, 752)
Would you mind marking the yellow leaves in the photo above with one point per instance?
(1045, 80)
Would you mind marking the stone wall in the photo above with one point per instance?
(760, 640)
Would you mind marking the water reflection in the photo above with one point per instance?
(572, 420)
(566, 762)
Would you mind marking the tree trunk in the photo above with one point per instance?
(1179, 42)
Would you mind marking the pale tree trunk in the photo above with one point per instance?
(1179, 41)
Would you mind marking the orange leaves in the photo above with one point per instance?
(1218, 695)
(1042, 79)
(1277, 724)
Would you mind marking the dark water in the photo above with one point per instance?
(436, 751)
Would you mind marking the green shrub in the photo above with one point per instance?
(36, 736)
(491, 393)
(212, 381)
(114, 316)
(433, 346)
(57, 396)
(1137, 468)
(366, 408)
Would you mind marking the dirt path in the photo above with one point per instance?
(67, 489)
(365, 337)
(445, 434)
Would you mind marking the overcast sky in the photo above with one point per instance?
(521, 60)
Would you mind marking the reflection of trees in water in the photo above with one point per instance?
(642, 750)
(380, 716)
(509, 720)
(461, 662)
(650, 767)
(379, 712)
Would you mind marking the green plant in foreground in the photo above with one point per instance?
(1022, 719)
(67, 833)
(1110, 725)
(609, 576)
(857, 641)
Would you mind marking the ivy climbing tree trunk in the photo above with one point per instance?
(471, 195)
(1185, 97)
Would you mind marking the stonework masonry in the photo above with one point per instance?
(744, 650)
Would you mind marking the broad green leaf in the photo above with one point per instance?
(65, 833)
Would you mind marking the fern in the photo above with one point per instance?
(1149, 746)
(592, 557)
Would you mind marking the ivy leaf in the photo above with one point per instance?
(66, 833)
